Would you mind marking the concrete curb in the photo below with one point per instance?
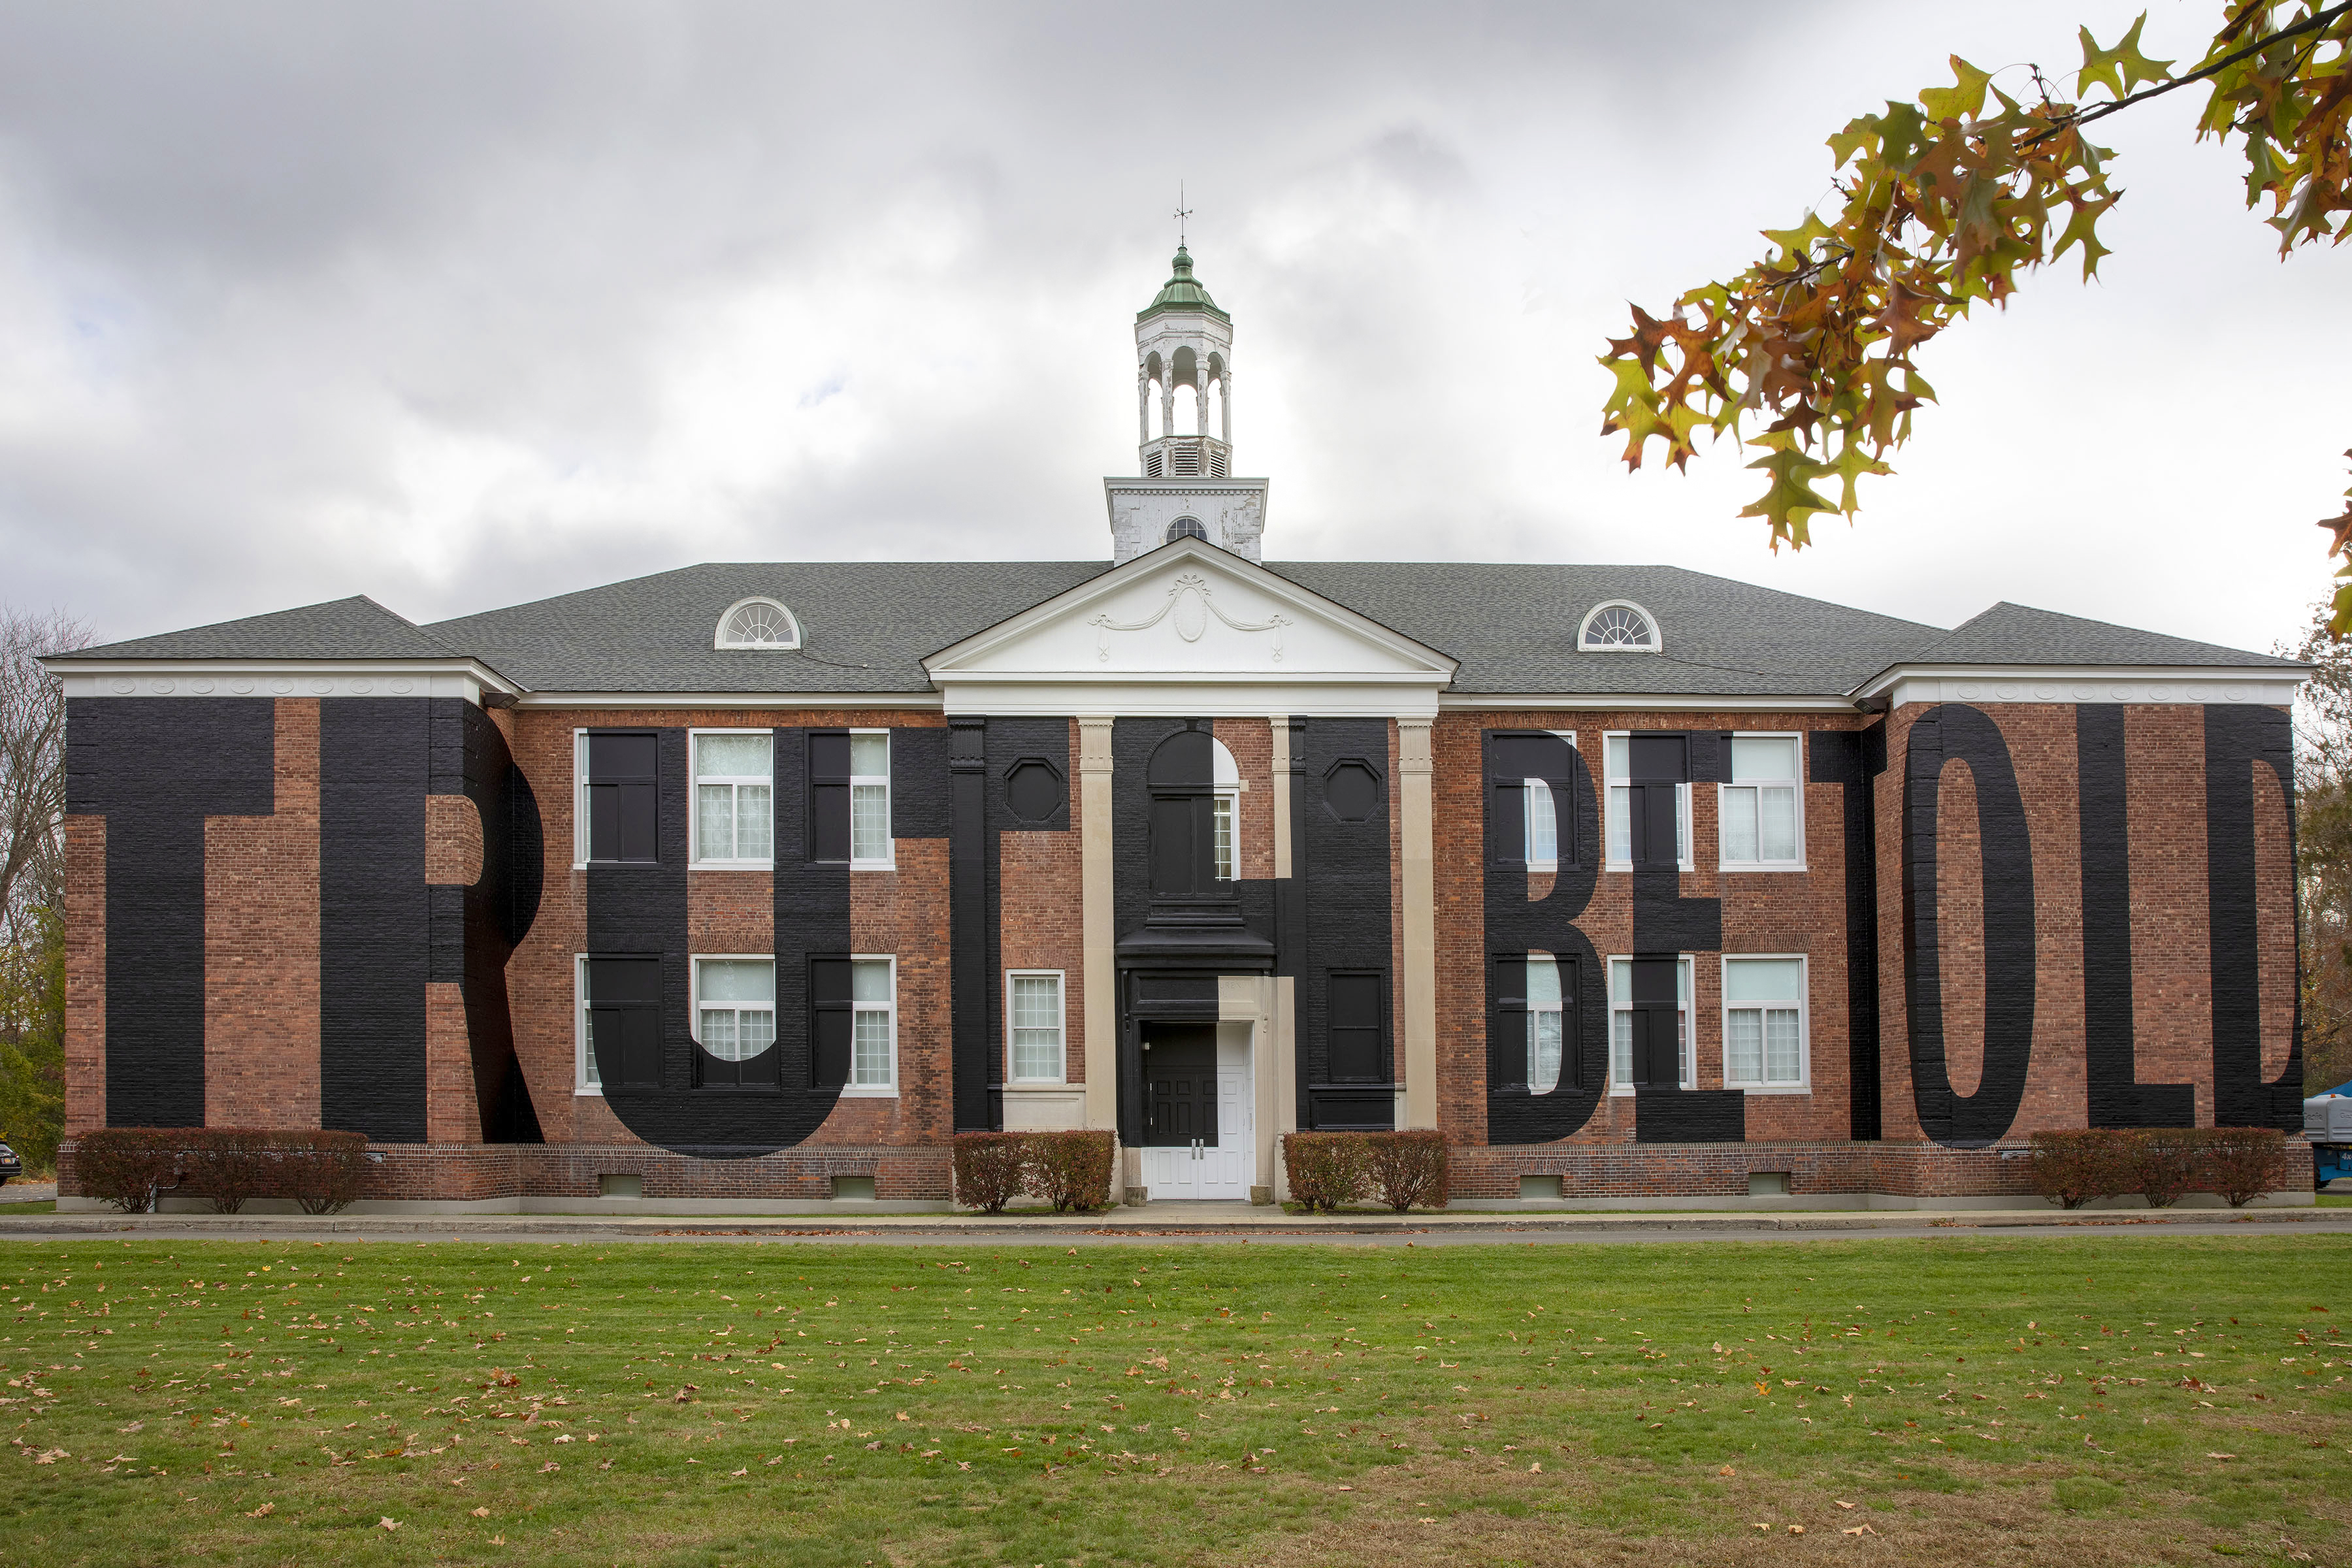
(980, 1228)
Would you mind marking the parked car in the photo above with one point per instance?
(10, 1165)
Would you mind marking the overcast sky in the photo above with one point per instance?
(467, 304)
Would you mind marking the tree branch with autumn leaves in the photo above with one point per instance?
(1810, 357)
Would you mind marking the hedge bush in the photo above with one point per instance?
(131, 1167)
(988, 1169)
(1407, 1170)
(1326, 1169)
(1070, 1170)
(2162, 1164)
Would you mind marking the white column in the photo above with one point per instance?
(1097, 927)
(1419, 864)
(1142, 406)
(1225, 380)
(1168, 407)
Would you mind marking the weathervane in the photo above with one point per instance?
(1182, 212)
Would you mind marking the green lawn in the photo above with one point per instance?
(2094, 1399)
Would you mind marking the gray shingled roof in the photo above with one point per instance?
(1514, 627)
(868, 624)
(356, 627)
(865, 624)
(2019, 634)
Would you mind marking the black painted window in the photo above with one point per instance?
(625, 1022)
(1531, 1041)
(1356, 1022)
(624, 798)
(1648, 782)
(1529, 819)
(1649, 1021)
(828, 794)
(833, 1018)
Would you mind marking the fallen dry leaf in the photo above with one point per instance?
(481, 1513)
(264, 1511)
(387, 1522)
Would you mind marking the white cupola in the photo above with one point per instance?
(1184, 430)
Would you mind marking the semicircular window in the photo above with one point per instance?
(1620, 628)
(758, 623)
(1186, 528)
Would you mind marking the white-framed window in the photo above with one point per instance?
(1619, 626)
(870, 844)
(757, 621)
(1546, 1034)
(735, 1005)
(1032, 1003)
(1620, 1024)
(874, 1025)
(1765, 1044)
(584, 1079)
(734, 797)
(1617, 766)
(1762, 809)
(1542, 826)
(1225, 813)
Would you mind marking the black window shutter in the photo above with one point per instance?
(1354, 1017)
(832, 1019)
(624, 798)
(1655, 1023)
(1659, 765)
(624, 1001)
(1176, 842)
(1506, 1038)
(828, 794)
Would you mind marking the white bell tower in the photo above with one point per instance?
(1184, 376)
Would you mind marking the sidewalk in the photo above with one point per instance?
(1172, 1219)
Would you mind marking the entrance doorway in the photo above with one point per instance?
(1198, 1128)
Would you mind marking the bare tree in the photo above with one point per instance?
(32, 764)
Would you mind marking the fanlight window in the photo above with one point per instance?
(758, 624)
(1186, 528)
(1618, 627)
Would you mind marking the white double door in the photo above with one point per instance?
(1225, 1167)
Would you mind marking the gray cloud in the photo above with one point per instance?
(457, 305)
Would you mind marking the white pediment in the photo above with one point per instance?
(1190, 628)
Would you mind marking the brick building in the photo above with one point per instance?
(751, 884)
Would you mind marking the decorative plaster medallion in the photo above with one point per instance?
(402, 685)
(2046, 693)
(2084, 691)
(2159, 693)
(1969, 692)
(2196, 694)
(241, 685)
(204, 686)
(2009, 692)
(126, 686)
(281, 686)
(363, 685)
(2122, 693)
(1192, 602)
(2235, 693)
(159, 686)
(323, 686)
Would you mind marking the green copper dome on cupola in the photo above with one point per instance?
(1182, 292)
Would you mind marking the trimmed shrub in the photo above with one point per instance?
(321, 1171)
(2163, 1163)
(1070, 1170)
(230, 1165)
(1326, 1169)
(128, 1166)
(2076, 1167)
(1406, 1170)
(2241, 1163)
(988, 1169)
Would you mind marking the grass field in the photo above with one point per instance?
(2089, 1399)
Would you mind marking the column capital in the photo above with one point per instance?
(1094, 742)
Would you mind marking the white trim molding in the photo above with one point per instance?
(1903, 685)
(466, 678)
(779, 700)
